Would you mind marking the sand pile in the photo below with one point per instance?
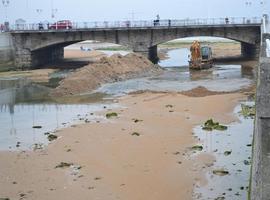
(106, 70)
(201, 92)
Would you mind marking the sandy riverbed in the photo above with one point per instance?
(155, 165)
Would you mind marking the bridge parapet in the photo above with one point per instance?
(260, 183)
(136, 24)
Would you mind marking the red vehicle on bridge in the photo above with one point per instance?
(63, 24)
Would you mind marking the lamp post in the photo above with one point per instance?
(5, 4)
(54, 11)
(39, 11)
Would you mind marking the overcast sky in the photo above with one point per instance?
(112, 10)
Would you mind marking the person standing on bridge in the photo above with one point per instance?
(156, 22)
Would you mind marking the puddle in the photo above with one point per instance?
(232, 151)
(17, 121)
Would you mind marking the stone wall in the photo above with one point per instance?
(260, 181)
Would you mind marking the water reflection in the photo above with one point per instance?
(24, 104)
(181, 79)
(236, 139)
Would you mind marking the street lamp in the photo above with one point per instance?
(39, 11)
(54, 11)
(5, 4)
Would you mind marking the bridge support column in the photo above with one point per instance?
(26, 59)
(151, 53)
(250, 50)
(23, 59)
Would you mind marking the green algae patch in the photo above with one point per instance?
(210, 125)
(52, 137)
(135, 134)
(247, 111)
(197, 148)
(110, 115)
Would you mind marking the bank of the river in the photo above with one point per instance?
(137, 155)
(143, 153)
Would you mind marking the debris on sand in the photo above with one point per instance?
(63, 165)
(220, 172)
(107, 70)
(137, 120)
(37, 127)
(210, 125)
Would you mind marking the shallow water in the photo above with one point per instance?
(219, 78)
(178, 57)
(236, 139)
(24, 104)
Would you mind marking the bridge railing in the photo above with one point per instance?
(133, 24)
(265, 34)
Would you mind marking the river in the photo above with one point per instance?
(26, 114)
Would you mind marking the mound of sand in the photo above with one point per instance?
(201, 92)
(106, 70)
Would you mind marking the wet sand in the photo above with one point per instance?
(111, 163)
(37, 75)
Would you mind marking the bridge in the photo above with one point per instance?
(37, 44)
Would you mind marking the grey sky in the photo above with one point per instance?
(100, 10)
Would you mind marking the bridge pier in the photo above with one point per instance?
(151, 52)
(250, 50)
(26, 59)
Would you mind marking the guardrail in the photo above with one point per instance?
(66, 24)
(266, 30)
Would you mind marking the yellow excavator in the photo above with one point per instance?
(201, 56)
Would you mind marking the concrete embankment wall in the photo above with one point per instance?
(6, 48)
(260, 181)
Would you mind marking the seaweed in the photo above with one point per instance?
(210, 125)
(135, 134)
(110, 115)
(63, 165)
(52, 137)
(248, 111)
(197, 148)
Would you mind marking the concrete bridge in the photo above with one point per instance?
(34, 47)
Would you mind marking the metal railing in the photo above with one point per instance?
(266, 30)
(132, 24)
(268, 48)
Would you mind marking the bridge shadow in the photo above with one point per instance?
(65, 64)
